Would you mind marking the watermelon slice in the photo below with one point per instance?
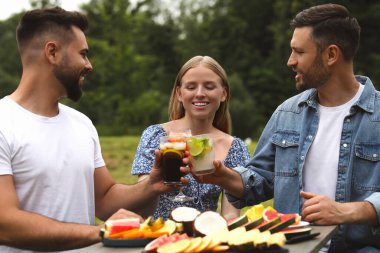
(270, 214)
(240, 221)
(253, 224)
(162, 240)
(153, 245)
(266, 225)
(292, 232)
(287, 216)
(117, 226)
(282, 225)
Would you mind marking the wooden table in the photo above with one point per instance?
(314, 245)
(310, 246)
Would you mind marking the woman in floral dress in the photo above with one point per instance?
(199, 102)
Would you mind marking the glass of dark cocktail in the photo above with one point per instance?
(173, 147)
(173, 151)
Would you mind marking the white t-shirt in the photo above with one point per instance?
(52, 160)
(320, 172)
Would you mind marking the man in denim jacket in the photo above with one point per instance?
(319, 154)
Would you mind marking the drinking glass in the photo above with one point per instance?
(173, 148)
(202, 154)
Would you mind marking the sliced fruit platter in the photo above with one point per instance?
(129, 232)
(268, 219)
(259, 229)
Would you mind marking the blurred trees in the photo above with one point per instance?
(10, 67)
(137, 49)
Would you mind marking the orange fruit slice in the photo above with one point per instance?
(132, 233)
(154, 234)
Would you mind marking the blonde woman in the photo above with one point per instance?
(199, 102)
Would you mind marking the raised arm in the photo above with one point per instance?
(111, 196)
(228, 179)
(150, 206)
(239, 156)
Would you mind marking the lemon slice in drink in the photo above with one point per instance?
(172, 153)
(195, 146)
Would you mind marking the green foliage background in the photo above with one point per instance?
(137, 49)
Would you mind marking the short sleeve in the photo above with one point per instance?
(5, 157)
(98, 158)
(144, 157)
(238, 155)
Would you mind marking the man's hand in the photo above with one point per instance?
(122, 214)
(223, 176)
(321, 210)
(218, 177)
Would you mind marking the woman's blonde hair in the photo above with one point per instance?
(222, 119)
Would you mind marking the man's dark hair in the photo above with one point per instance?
(331, 24)
(36, 23)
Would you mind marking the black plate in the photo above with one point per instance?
(282, 250)
(289, 234)
(302, 238)
(140, 242)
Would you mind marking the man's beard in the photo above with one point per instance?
(316, 76)
(70, 79)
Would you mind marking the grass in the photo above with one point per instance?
(118, 153)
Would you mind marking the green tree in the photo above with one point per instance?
(137, 49)
(44, 3)
(237, 33)
(131, 53)
(10, 64)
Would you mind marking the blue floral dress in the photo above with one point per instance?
(205, 195)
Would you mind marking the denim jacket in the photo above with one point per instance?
(275, 169)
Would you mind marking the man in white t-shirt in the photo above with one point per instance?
(53, 179)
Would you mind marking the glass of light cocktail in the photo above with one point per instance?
(202, 154)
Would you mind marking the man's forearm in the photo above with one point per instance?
(360, 213)
(31, 231)
(233, 183)
(134, 197)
